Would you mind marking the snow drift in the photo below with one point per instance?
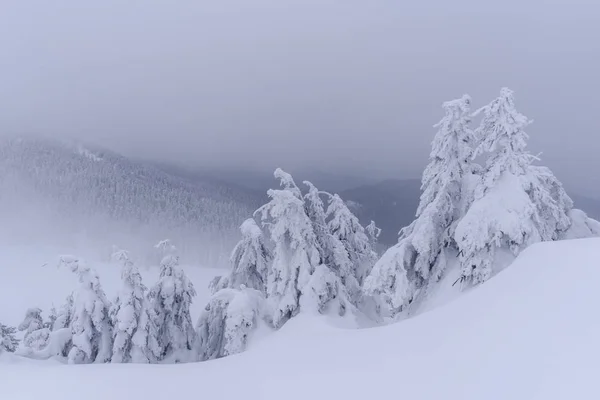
(529, 333)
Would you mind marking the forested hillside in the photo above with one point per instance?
(75, 195)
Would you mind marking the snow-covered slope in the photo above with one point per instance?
(64, 194)
(530, 332)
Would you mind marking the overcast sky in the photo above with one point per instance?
(348, 85)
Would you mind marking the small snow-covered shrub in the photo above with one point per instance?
(228, 321)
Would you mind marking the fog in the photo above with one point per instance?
(347, 86)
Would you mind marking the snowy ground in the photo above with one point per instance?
(529, 333)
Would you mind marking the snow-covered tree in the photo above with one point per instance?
(144, 342)
(217, 283)
(33, 321)
(333, 253)
(228, 321)
(315, 209)
(64, 315)
(391, 282)
(35, 334)
(345, 227)
(60, 341)
(551, 201)
(502, 135)
(446, 184)
(373, 232)
(170, 301)
(419, 257)
(165, 247)
(8, 339)
(514, 204)
(287, 182)
(90, 325)
(296, 254)
(127, 312)
(582, 226)
(52, 316)
(250, 261)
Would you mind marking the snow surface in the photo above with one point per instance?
(528, 333)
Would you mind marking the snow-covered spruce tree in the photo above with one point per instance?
(228, 320)
(36, 336)
(551, 201)
(52, 316)
(556, 218)
(128, 311)
(54, 339)
(344, 226)
(287, 182)
(332, 251)
(8, 339)
(297, 278)
(170, 301)
(250, 261)
(516, 204)
(582, 226)
(373, 232)
(64, 314)
(33, 321)
(420, 255)
(144, 342)
(90, 324)
(60, 341)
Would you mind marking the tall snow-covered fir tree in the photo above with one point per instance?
(130, 317)
(516, 203)
(250, 260)
(90, 325)
(345, 227)
(170, 300)
(295, 255)
(420, 255)
(333, 253)
(446, 184)
(297, 278)
(502, 213)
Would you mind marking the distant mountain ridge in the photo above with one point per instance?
(82, 193)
